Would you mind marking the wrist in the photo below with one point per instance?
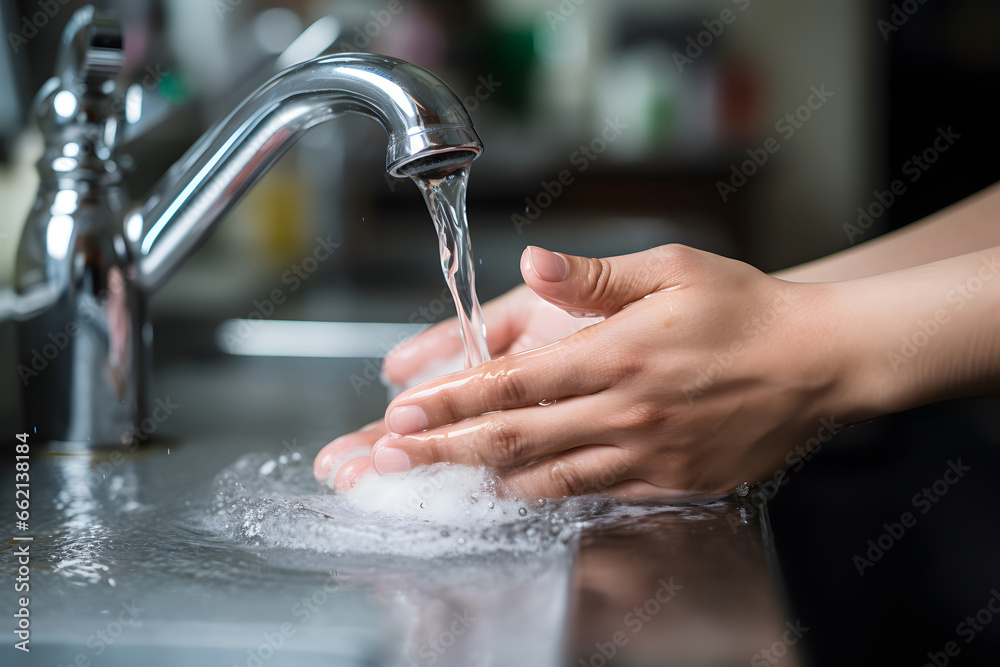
(837, 357)
(921, 335)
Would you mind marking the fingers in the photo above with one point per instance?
(333, 456)
(351, 473)
(443, 341)
(576, 472)
(500, 439)
(586, 286)
(604, 469)
(552, 372)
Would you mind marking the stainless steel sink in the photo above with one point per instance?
(123, 573)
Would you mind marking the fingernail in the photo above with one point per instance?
(322, 469)
(407, 419)
(389, 460)
(548, 266)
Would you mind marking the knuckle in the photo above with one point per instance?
(449, 408)
(642, 416)
(626, 362)
(568, 479)
(674, 253)
(611, 476)
(504, 441)
(437, 452)
(646, 415)
(599, 277)
(677, 258)
(510, 389)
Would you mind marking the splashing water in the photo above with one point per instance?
(439, 511)
(444, 193)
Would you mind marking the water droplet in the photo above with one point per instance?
(445, 533)
(492, 504)
(522, 511)
(546, 402)
(743, 489)
(461, 540)
(541, 502)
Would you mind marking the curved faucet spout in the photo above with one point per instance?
(428, 128)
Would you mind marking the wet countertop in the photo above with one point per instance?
(129, 565)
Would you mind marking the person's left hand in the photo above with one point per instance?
(516, 321)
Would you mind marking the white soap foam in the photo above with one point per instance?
(448, 494)
(268, 503)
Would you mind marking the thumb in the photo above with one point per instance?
(584, 286)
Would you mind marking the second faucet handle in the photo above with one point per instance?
(81, 110)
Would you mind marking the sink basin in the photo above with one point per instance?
(129, 565)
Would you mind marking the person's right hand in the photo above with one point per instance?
(517, 321)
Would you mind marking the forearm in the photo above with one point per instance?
(967, 226)
(921, 335)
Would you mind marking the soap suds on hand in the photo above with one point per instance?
(443, 493)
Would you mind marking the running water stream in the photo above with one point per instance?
(444, 192)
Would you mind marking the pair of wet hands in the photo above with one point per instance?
(695, 376)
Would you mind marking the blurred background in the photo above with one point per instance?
(655, 115)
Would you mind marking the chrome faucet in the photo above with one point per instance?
(88, 261)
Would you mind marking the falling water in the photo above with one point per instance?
(444, 192)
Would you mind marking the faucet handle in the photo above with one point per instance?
(82, 106)
(91, 50)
